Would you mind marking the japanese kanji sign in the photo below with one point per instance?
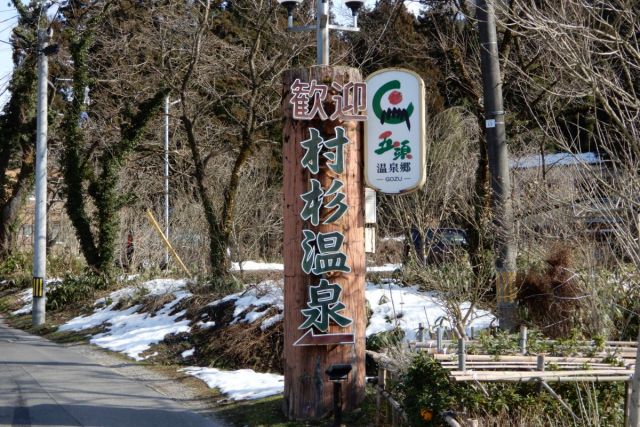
(322, 254)
(323, 236)
(322, 251)
(307, 100)
(394, 131)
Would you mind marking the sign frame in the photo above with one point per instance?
(421, 132)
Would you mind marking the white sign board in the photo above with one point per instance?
(369, 206)
(394, 131)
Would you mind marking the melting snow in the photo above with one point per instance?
(26, 297)
(269, 322)
(256, 266)
(241, 384)
(266, 294)
(406, 307)
(131, 332)
(273, 266)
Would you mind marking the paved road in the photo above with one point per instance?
(46, 384)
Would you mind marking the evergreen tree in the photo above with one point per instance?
(113, 102)
(17, 123)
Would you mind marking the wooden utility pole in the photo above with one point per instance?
(504, 246)
(309, 352)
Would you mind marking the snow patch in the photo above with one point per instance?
(406, 307)
(255, 301)
(256, 266)
(26, 297)
(152, 287)
(130, 332)
(242, 384)
(206, 325)
(269, 322)
(386, 268)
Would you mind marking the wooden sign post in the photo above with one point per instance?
(324, 268)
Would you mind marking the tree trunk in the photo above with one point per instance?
(308, 392)
(10, 211)
(216, 244)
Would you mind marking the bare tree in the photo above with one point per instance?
(230, 101)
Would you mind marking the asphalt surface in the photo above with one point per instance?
(47, 384)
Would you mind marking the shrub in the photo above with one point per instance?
(552, 298)
(15, 264)
(427, 392)
(74, 290)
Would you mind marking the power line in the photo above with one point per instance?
(9, 19)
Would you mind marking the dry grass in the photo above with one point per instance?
(552, 298)
(154, 303)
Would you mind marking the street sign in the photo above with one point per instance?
(395, 131)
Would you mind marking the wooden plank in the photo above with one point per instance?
(502, 376)
(578, 379)
(532, 359)
(473, 367)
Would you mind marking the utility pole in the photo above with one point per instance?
(166, 178)
(504, 246)
(40, 222)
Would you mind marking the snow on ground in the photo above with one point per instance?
(128, 331)
(188, 353)
(392, 305)
(264, 266)
(386, 268)
(406, 307)
(132, 333)
(241, 384)
(252, 304)
(26, 297)
(269, 322)
(152, 287)
(256, 266)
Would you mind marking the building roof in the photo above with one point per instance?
(557, 159)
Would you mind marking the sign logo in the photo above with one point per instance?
(396, 114)
(395, 142)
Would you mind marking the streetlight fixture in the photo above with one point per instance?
(323, 24)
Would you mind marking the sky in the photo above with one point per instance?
(8, 19)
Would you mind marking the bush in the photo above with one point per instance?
(15, 264)
(384, 340)
(553, 299)
(64, 264)
(74, 290)
(426, 391)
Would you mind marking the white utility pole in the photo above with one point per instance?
(166, 178)
(40, 222)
